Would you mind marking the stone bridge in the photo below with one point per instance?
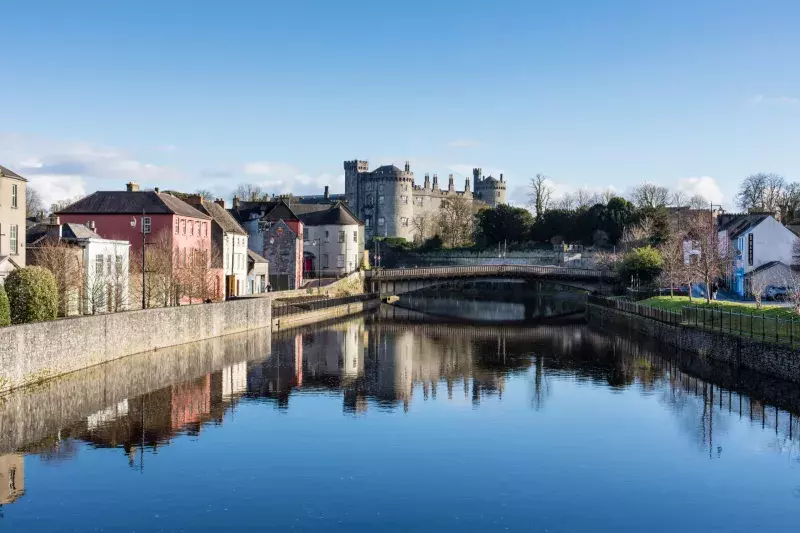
(396, 281)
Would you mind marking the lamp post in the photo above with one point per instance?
(318, 243)
(713, 242)
(144, 242)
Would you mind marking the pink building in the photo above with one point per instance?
(167, 221)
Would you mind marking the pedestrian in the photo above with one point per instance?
(714, 290)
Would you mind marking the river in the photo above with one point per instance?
(401, 422)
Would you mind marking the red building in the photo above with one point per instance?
(169, 223)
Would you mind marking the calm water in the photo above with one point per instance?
(404, 425)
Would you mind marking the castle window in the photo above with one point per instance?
(403, 221)
(404, 199)
(498, 194)
(381, 221)
(418, 200)
(380, 187)
(368, 222)
(380, 200)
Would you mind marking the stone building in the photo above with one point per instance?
(392, 205)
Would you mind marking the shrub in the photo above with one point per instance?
(643, 265)
(32, 294)
(5, 309)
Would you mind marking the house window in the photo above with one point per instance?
(109, 265)
(355, 261)
(404, 199)
(119, 265)
(205, 228)
(99, 260)
(177, 226)
(750, 244)
(327, 237)
(14, 195)
(305, 234)
(381, 221)
(355, 236)
(191, 227)
(14, 231)
(340, 261)
(368, 222)
(183, 226)
(146, 224)
(184, 257)
(418, 200)
(341, 236)
(324, 260)
(380, 200)
(404, 221)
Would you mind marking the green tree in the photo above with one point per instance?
(504, 223)
(32, 294)
(5, 309)
(641, 266)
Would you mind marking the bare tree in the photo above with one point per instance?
(762, 191)
(679, 199)
(33, 203)
(698, 201)
(205, 194)
(584, 198)
(757, 286)
(564, 203)
(673, 253)
(161, 285)
(712, 260)
(650, 195)
(790, 202)
(607, 260)
(636, 235)
(202, 278)
(249, 192)
(66, 202)
(607, 195)
(540, 195)
(65, 261)
(422, 225)
(456, 222)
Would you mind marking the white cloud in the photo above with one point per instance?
(788, 100)
(464, 143)
(705, 186)
(59, 169)
(276, 178)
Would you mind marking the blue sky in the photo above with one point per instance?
(693, 95)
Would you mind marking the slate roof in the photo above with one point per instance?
(132, 203)
(390, 170)
(337, 215)
(316, 199)
(8, 173)
(741, 224)
(271, 210)
(255, 258)
(222, 217)
(765, 266)
(70, 231)
(304, 209)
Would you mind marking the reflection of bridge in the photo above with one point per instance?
(401, 280)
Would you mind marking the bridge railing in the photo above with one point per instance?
(493, 270)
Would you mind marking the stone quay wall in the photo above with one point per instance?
(31, 353)
(772, 359)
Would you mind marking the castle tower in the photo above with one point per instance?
(466, 185)
(451, 186)
(435, 182)
(427, 181)
(476, 175)
(489, 190)
(352, 171)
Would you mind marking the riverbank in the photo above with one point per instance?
(773, 359)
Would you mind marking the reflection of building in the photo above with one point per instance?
(234, 380)
(191, 402)
(12, 478)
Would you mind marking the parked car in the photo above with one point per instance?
(778, 293)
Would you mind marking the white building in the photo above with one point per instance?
(757, 240)
(103, 265)
(333, 239)
(257, 273)
(229, 240)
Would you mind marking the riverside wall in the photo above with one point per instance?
(31, 353)
(772, 359)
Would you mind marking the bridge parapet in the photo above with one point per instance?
(533, 271)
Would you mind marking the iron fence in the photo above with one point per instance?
(654, 313)
(755, 325)
(294, 308)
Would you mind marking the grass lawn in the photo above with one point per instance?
(679, 302)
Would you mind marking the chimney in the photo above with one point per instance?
(235, 202)
(90, 224)
(427, 181)
(157, 190)
(194, 200)
(220, 202)
(132, 186)
(501, 177)
(435, 182)
(451, 186)
(54, 227)
(327, 193)
(408, 166)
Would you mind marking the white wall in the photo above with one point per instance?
(772, 241)
(234, 256)
(350, 249)
(115, 273)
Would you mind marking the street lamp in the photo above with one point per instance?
(144, 236)
(318, 243)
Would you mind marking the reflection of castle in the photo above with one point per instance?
(12, 478)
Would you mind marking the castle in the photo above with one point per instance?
(392, 205)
